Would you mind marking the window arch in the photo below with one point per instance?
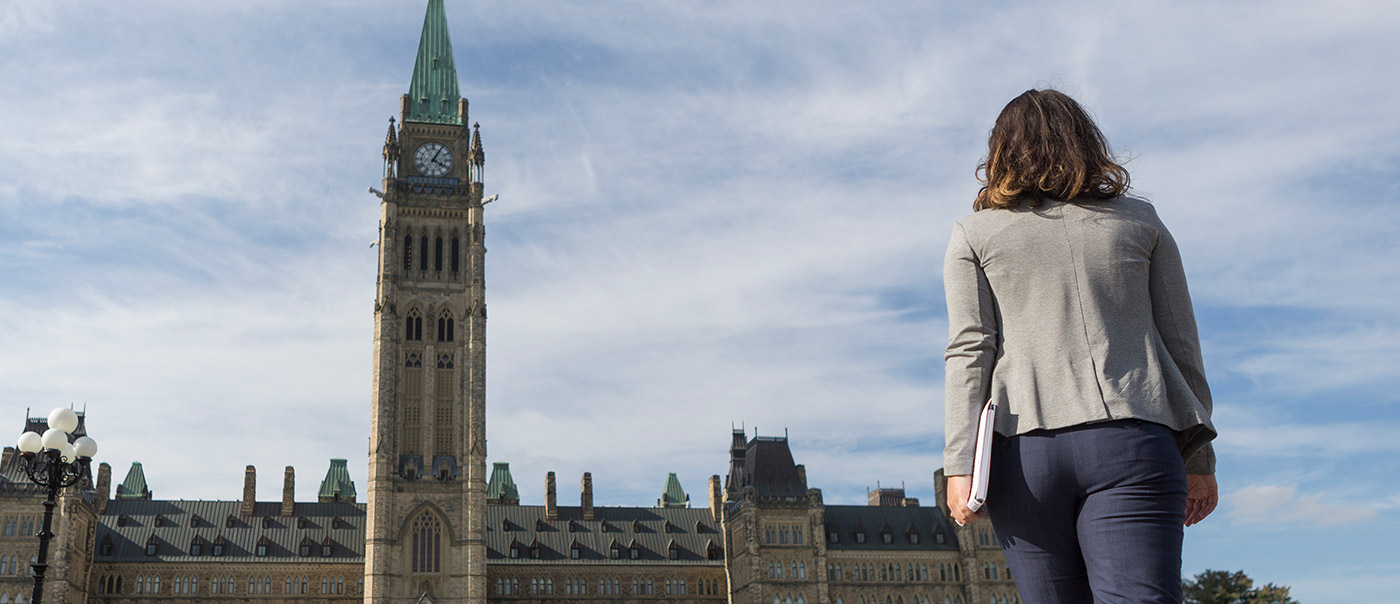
(408, 252)
(426, 555)
(456, 254)
(423, 254)
(437, 255)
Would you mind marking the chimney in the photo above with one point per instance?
(586, 496)
(551, 510)
(250, 482)
(289, 491)
(716, 497)
(802, 475)
(940, 491)
(104, 486)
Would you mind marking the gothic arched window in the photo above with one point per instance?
(427, 544)
(408, 252)
(437, 255)
(446, 327)
(413, 326)
(456, 254)
(423, 253)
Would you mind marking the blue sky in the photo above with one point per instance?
(709, 213)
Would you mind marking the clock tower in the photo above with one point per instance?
(427, 457)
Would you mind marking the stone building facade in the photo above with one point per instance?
(434, 528)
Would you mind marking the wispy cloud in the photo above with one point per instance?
(1283, 504)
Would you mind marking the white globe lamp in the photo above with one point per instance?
(63, 419)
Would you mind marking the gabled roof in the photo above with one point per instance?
(134, 487)
(342, 523)
(434, 74)
(626, 528)
(337, 485)
(927, 523)
(674, 496)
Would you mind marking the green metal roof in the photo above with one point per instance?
(501, 486)
(134, 487)
(433, 94)
(337, 482)
(675, 496)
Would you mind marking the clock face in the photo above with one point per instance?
(432, 159)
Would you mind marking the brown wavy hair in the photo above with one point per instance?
(1045, 146)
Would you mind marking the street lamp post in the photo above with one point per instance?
(54, 463)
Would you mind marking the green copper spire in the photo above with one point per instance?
(501, 489)
(134, 487)
(675, 496)
(433, 95)
(337, 485)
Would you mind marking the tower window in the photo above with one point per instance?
(445, 328)
(456, 254)
(413, 327)
(427, 544)
(423, 253)
(408, 252)
(437, 255)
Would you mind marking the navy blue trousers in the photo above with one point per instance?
(1091, 513)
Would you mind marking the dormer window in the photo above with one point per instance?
(673, 552)
(106, 547)
(197, 548)
(160, 520)
(575, 552)
(267, 523)
(262, 550)
(514, 549)
(914, 538)
(152, 545)
(860, 537)
(218, 549)
(301, 522)
(505, 526)
(194, 520)
(327, 548)
(616, 552)
(305, 550)
(636, 551)
(122, 520)
(541, 526)
(713, 552)
(886, 537)
(229, 522)
(337, 522)
(636, 526)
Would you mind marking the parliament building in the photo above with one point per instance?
(431, 526)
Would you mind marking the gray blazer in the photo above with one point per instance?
(1067, 314)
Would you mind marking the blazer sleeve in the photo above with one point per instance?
(973, 329)
(1176, 323)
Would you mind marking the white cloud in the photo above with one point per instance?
(1282, 504)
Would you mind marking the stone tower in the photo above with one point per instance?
(427, 483)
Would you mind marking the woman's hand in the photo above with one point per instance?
(1201, 496)
(959, 487)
